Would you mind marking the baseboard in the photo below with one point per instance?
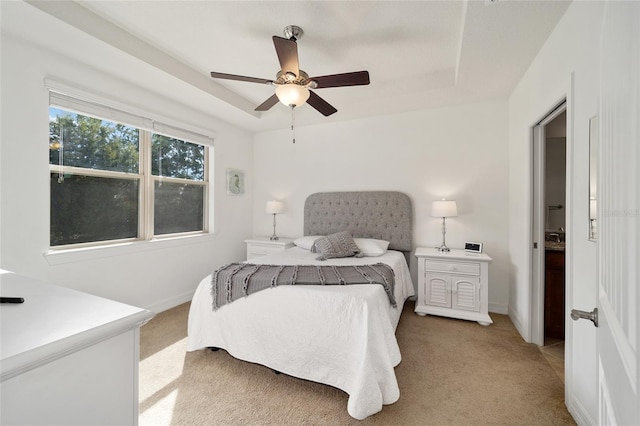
(579, 413)
(519, 325)
(171, 302)
(498, 308)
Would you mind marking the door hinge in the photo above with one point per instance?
(535, 245)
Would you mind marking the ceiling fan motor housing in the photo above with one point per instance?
(290, 78)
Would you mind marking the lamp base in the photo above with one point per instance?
(444, 247)
(274, 237)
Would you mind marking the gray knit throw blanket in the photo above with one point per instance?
(237, 280)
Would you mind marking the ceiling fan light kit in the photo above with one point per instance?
(292, 95)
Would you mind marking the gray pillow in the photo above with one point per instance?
(335, 245)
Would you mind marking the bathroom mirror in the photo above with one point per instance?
(593, 178)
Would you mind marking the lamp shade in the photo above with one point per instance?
(274, 207)
(444, 208)
(292, 94)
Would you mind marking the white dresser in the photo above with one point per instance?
(453, 284)
(257, 247)
(67, 358)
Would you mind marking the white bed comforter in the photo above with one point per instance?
(343, 336)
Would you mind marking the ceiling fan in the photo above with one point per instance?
(292, 83)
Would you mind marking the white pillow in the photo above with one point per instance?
(371, 247)
(306, 242)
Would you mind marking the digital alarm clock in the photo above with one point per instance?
(473, 247)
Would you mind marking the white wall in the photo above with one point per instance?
(460, 153)
(567, 66)
(556, 179)
(155, 275)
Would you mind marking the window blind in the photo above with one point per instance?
(105, 112)
(99, 111)
(175, 132)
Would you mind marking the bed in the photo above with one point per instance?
(339, 335)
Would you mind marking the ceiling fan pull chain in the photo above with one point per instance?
(293, 122)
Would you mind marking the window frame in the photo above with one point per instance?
(104, 110)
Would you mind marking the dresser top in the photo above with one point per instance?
(55, 320)
(454, 254)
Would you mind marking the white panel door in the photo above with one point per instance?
(619, 216)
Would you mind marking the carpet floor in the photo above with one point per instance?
(452, 372)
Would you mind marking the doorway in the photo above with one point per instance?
(549, 236)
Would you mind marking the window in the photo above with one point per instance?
(113, 182)
(178, 170)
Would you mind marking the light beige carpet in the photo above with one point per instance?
(452, 372)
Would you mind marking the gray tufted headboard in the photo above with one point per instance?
(385, 215)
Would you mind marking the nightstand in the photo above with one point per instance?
(453, 284)
(262, 246)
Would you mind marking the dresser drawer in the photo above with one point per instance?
(453, 267)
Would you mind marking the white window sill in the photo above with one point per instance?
(71, 255)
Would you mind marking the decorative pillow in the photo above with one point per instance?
(371, 247)
(306, 242)
(335, 245)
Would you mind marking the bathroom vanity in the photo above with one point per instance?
(554, 291)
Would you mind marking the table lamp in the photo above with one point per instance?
(274, 207)
(444, 209)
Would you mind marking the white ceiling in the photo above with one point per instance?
(420, 54)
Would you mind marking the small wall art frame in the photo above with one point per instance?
(235, 182)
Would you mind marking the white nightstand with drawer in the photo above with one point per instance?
(257, 247)
(453, 284)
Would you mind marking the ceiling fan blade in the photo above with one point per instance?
(358, 78)
(266, 105)
(320, 104)
(287, 51)
(240, 78)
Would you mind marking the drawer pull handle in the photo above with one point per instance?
(452, 268)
